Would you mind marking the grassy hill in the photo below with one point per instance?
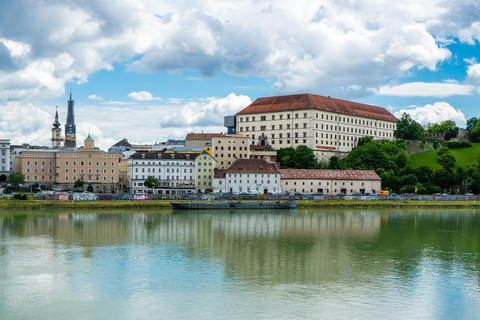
(464, 157)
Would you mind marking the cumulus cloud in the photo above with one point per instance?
(142, 96)
(95, 97)
(425, 89)
(209, 112)
(473, 72)
(345, 48)
(433, 113)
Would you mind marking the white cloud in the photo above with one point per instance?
(342, 47)
(435, 113)
(425, 89)
(473, 72)
(95, 97)
(142, 96)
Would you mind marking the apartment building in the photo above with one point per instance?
(60, 168)
(4, 159)
(204, 167)
(248, 176)
(328, 126)
(330, 181)
(226, 149)
(174, 171)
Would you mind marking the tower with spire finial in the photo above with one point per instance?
(70, 127)
(56, 132)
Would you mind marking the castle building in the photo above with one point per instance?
(70, 127)
(56, 132)
(330, 127)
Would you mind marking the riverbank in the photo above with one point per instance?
(165, 204)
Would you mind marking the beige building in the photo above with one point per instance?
(200, 139)
(330, 181)
(60, 168)
(328, 126)
(226, 149)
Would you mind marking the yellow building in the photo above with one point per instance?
(60, 168)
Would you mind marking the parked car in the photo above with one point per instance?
(469, 194)
(340, 194)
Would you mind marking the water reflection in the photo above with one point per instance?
(427, 259)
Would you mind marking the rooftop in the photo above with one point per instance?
(329, 174)
(311, 101)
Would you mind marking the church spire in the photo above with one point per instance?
(56, 132)
(70, 127)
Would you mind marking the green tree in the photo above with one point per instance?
(448, 127)
(16, 179)
(471, 123)
(409, 129)
(364, 140)
(334, 163)
(444, 178)
(304, 158)
(286, 156)
(78, 183)
(447, 160)
(151, 182)
(475, 132)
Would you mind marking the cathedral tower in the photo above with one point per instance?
(56, 133)
(70, 127)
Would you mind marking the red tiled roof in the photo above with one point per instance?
(202, 136)
(252, 166)
(311, 101)
(329, 174)
(219, 173)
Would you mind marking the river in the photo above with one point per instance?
(299, 264)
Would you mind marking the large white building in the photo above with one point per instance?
(328, 126)
(248, 176)
(175, 172)
(330, 181)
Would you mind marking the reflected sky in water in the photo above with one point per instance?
(304, 264)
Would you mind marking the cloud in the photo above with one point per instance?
(209, 112)
(425, 89)
(435, 113)
(343, 47)
(473, 72)
(142, 96)
(95, 97)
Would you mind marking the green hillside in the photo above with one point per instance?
(464, 157)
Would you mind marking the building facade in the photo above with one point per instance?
(226, 149)
(204, 168)
(174, 171)
(200, 139)
(4, 159)
(328, 126)
(330, 181)
(60, 168)
(248, 176)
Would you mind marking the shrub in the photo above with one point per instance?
(436, 144)
(422, 145)
(457, 144)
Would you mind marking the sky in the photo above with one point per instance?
(150, 70)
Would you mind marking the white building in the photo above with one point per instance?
(328, 126)
(4, 159)
(174, 171)
(248, 176)
(330, 181)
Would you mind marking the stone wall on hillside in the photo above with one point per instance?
(415, 146)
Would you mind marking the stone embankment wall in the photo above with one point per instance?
(415, 146)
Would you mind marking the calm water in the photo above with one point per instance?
(355, 264)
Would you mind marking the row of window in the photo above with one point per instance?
(74, 163)
(74, 178)
(152, 170)
(167, 164)
(320, 183)
(325, 117)
(231, 148)
(35, 155)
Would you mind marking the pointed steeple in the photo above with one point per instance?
(56, 132)
(70, 127)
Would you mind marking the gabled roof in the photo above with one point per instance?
(311, 101)
(252, 166)
(320, 174)
(122, 143)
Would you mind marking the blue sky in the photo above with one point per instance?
(152, 70)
